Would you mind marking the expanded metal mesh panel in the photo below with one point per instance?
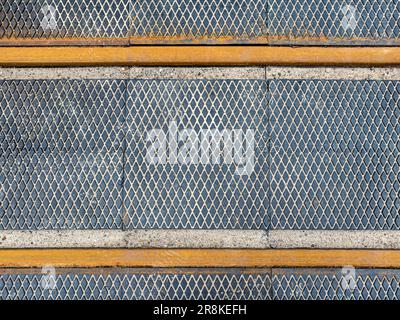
(334, 22)
(199, 20)
(335, 154)
(227, 284)
(194, 194)
(359, 22)
(61, 154)
(137, 286)
(320, 284)
(47, 19)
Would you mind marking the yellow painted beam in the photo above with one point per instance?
(199, 56)
(71, 258)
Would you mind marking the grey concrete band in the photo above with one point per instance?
(202, 73)
(134, 239)
(332, 239)
(247, 239)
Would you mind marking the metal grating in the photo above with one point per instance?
(201, 284)
(335, 154)
(196, 194)
(201, 21)
(334, 22)
(119, 285)
(66, 19)
(61, 154)
(320, 284)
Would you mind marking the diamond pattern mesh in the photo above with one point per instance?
(320, 284)
(138, 286)
(334, 22)
(64, 19)
(204, 20)
(206, 284)
(61, 154)
(209, 196)
(323, 22)
(335, 154)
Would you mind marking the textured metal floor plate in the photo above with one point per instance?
(200, 154)
(200, 284)
(359, 22)
(182, 191)
(208, 21)
(336, 284)
(61, 154)
(136, 285)
(335, 154)
(68, 20)
(334, 22)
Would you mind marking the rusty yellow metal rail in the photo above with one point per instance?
(168, 258)
(199, 56)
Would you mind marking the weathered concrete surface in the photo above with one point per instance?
(202, 73)
(134, 239)
(334, 239)
(197, 73)
(64, 73)
(333, 73)
(133, 73)
(258, 239)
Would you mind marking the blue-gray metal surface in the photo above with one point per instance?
(195, 195)
(335, 154)
(334, 22)
(74, 154)
(90, 284)
(201, 284)
(66, 19)
(336, 284)
(61, 154)
(287, 22)
(199, 21)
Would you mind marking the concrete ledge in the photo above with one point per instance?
(291, 239)
(213, 239)
(134, 239)
(201, 73)
(133, 73)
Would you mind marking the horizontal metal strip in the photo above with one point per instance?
(199, 56)
(72, 258)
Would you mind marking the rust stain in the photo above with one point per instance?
(320, 39)
(32, 42)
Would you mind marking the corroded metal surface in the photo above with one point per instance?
(334, 22)
(64, 22)
(124, 22)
